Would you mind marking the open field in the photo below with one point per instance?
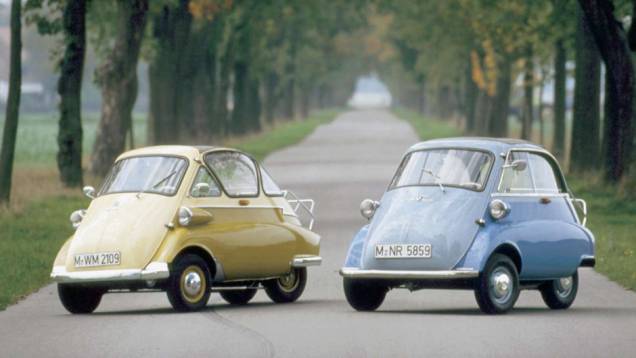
(612, 210)
(37, 224)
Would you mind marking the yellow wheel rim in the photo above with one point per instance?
(193, 284)
(289, 282)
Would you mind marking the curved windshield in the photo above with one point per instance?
(463, 168)
(149, 174)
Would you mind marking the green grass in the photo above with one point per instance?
(36, 143)
(283, 135)
(612, 210)
(30, 239)
(29, 242)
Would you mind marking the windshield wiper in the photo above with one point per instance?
(158, 183)
(437, 179)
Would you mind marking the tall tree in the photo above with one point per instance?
(560, 90)
(527, 116)
(117, 77)
(13, 104)
(612, 43)
(69, 87)
(585, 146)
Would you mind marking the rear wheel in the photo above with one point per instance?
(238, 297)
(79, 299)
(287, 288)
(364, 295)
(189, 283)
(497, 289)
(560, 294)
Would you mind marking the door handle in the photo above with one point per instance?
(545, 200)
(244, 202)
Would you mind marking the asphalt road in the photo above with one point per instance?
(339, 165)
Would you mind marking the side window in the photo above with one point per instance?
(204, 186)
(535, 177)
(516, 180)
(236, 172)
(269, 186)
(545, 181)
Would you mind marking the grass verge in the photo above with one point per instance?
(31, 236)
(612, 210)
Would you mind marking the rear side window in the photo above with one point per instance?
(269, 185)
(236, 172)
(529, 173)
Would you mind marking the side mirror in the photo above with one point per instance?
(89, 191)
(582, 206)
(201, 189)
(368, 207)
(517, 165)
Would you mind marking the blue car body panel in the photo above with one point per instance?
(546, 234)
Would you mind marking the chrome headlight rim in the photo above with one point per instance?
(185, 216)
(77, 217)
(498, 209)
(368, 208)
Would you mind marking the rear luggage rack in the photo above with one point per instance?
(307, 205)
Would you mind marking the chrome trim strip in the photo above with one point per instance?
(154, 271)
(399, 274)
(304, 261)
(531, 195)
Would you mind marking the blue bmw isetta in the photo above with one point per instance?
(492, 215)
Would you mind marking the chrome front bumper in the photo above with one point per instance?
(154, 271)
(351, 272)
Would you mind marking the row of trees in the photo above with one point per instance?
(464, 57)
(216, 68)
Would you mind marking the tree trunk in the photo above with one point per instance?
(271, 96)
(541, 107)
(117, 77)
(612, 44)
(13, 104)
(527, 116)
(498, 124)
(171, 31)
(470, 101)
(584, 148)
(484, 110)
(69, 87)
(560, 90)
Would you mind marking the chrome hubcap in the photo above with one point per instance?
(192, 284)
(289, 282)
(564, 286)
(501, 284)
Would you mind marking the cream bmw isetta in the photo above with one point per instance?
(189, 221)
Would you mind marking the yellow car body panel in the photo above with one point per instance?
(247, 237)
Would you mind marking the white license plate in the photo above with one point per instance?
(98, 259)
(406, 251)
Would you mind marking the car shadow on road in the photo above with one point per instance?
(535, 311)
(216, 307)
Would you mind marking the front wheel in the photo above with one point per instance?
(497, 289)
(188, 287)
(560, 294)
(364, 295)
(238, 297)
(287, 288)
(79, 299)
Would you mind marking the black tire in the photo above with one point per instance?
(238, 297)
(79, 299)
(500, 296)
(364, 295)
(560, 294)
(188, 287)
(288, 288)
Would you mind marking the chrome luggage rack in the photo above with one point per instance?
(306, 204)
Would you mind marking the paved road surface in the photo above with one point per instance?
(339, 164)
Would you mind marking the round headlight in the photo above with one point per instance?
(498, 209)
(76, 217)
(185, 216)
(368, 207)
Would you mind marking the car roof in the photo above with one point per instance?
(495, 145)
(188, 151)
